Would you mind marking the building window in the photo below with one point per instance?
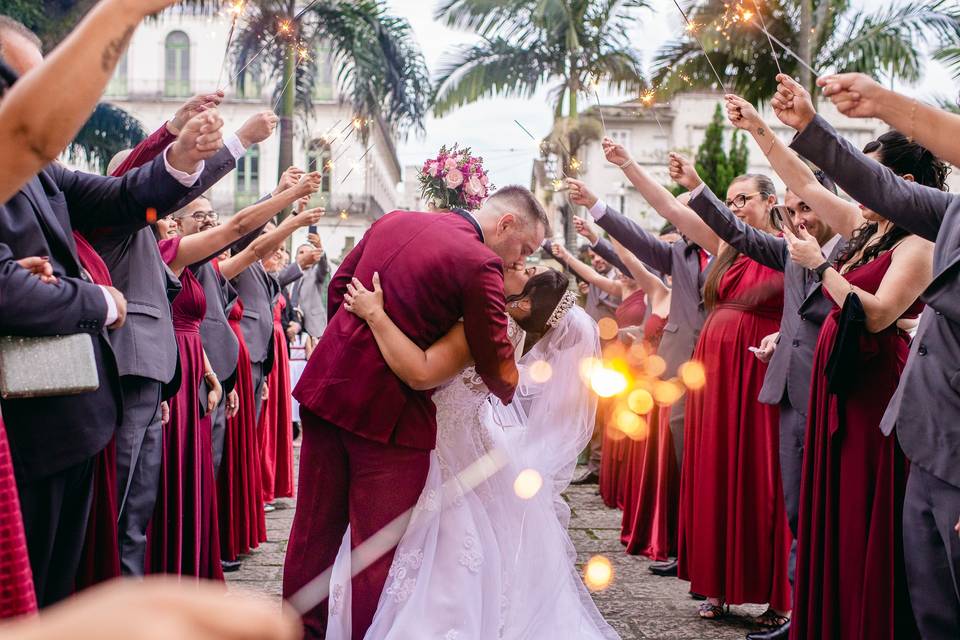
(348, 244)
(319, 159)
(248, 178)
(323, 83)
(177, 70)
(620, 136)
(118, 83)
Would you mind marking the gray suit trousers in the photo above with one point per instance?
(219, 422)
(793, 432)
(139, 452)
(259, 377)
(678, 413)
(932, 553)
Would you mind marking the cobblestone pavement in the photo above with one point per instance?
(637, 604)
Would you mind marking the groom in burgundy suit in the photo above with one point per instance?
(366, 435)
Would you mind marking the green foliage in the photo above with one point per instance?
(108, 131)
(718, 167)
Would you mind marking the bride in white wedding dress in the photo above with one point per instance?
(477, 561)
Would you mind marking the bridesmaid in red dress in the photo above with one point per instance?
(17, 595)
(850, 581)
(733, 535)
(652, 479)
(631, 312)
(276, 424)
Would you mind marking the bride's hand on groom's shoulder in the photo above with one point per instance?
(362, 302)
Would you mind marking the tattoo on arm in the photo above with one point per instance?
(115, 49)
(761, 131)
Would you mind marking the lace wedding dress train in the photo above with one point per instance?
(477, 561)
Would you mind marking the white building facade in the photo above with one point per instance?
(177, 56)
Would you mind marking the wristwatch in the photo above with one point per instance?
(821, 269)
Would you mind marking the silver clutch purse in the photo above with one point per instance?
(47, 366)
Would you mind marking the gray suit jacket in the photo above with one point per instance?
(219, 341)
(309, 295)
(259, 291)
(679, 260)
(145, 346)
(926, 406)
(804, 306)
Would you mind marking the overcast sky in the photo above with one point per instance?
(488, 126)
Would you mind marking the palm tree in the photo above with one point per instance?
(568, 44)
(379, 67)
(882, 42)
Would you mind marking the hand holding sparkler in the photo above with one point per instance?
(792, 103)
(193, 106)
(616, 153)
(580, 194)
(585, 229)
(683, 172)
(257, 128)
(288, 179)
(742, 114)
(308, 185)
(855, 95)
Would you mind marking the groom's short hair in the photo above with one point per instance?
(520, 200)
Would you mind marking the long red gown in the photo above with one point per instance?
(183, 538)
(17, 595)
(243, 523)
(276, 425)
(734, 540)
(850, 579)
(101, 553)
(649, 525)
(615, 447)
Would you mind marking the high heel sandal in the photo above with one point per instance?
(710, 611)
(771, 618)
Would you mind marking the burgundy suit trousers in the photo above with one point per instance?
(345, 478)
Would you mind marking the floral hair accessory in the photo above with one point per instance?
(454, 178)
(566, 303)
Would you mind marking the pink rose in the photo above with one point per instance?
(473, 187)
(450, 165)
(483, 179)
(454, 178)
(433, 168)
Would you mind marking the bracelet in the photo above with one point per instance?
(913, 119)
(627, 163)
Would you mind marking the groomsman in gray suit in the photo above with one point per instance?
(310, 293)
(789, 352)
(686, 264)
(925, 410)
(146, 351)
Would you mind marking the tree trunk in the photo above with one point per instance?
(288, 103)
(805, 45)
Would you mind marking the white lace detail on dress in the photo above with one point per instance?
(402, 574)
(472, 556)
(336, 605)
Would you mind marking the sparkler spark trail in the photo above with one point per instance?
(237, 10)
(344, 178)
(691, 29)
(787, 49)
(763, 24)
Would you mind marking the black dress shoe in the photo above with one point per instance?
(697, 596)
(590, 477)
(665, 569)
(229, 566)
(780, 633)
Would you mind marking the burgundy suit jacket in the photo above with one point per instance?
(434, 270)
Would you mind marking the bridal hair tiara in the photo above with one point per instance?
(566, 303)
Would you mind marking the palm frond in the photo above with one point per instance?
(493, 67)
(950, 56)
(109, 130)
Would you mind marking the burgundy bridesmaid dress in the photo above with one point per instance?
(243, 523)
(649, 525)
(734, 540)
(850, 579)
(276, 424)
(100, 560)
(17, 595)
(183, 538)
(616, 447)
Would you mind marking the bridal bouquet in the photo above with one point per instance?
(454, 179)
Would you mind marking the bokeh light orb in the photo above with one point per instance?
(608, 328)
(528, 483)
(541, 371)
(640, 401)
(693, 374)
(655, 365)
(607, 383)
(667, 393)
(598, 573)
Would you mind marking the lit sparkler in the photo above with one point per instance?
(235, 10)
(692, 30)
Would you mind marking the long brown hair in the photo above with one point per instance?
(728, 255)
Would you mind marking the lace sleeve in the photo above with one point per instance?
(517, 336)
